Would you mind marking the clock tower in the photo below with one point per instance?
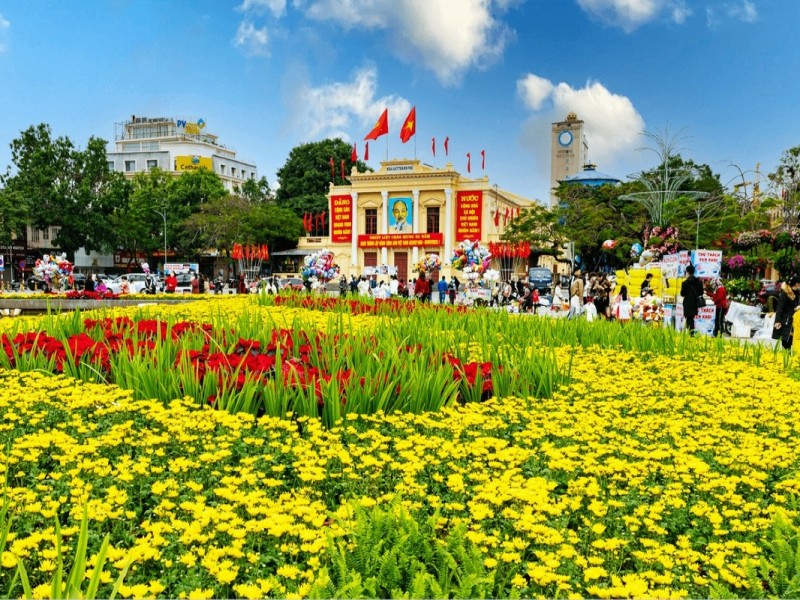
(568, 150)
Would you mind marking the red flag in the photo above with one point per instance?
(497, 218)
(333, 176)
(469, 162)
(505, 216)
(366, 151)
(380, 128)
(354, 154)
(447, 146)
(409, 125)
(342, 169)
(322, 219)
(433, 146)
(305, 221)
(483, 160)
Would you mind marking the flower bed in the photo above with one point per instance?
(652, 467)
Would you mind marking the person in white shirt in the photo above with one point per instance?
(393, 285)
(363, 287)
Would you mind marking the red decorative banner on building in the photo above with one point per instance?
(469, 210)
(341, 219)
(394, 240)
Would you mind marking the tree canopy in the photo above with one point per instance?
(305, 177)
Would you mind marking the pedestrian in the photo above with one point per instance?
(170, 283)
(411, 291)
(353, 285)
(451, 291)
(194, 283)
(784, 314)
(442, 288)
(124, 286)
(219, 282)
(535, 300)
(343, 286)
(394, 286)
(719, 296)
(647, 285)
(622, 306)
(88, 285)
(576, 291)
(100, 287)
(422, 288)
(693, 298)
(241, 284)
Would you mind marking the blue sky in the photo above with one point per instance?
(267, 75)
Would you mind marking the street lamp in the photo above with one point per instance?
(163, 213)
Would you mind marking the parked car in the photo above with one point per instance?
(136, 283)
(292, 283)
(769, 289)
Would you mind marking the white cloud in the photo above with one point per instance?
(612, 125)
(534, 90)
(448, 37)
(276, 7)
(5, 25)
(632, 14)
(254, 41)
(746, 11)
(344, 109)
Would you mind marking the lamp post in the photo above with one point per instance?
(163, 212)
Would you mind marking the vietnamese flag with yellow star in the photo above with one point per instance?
(381, 127)
(409, 125)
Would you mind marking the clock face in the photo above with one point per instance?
(565, 138)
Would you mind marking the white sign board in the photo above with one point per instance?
(707, 263)
(181, 267)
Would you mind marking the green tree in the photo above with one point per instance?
(537, 226)
(233, 218)
(62, 186)
(185, 196)
(786, 181)
(589, 215)
(256, 191)
(305, 177)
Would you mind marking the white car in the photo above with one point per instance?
(136, 283)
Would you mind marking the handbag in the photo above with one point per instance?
(701, 301)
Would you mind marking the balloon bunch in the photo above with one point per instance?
(52, 268)
(429, 264)
(320, 265)
(471, 257)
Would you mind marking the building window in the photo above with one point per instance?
(233, 172)
(130, 166)
(110, 164)
(35, 235)
(371, 215)
(46, 234)
(252, 175)
(370, 259)
(433, 219)
(152, 164)
(222, 169)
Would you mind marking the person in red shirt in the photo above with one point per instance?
(719, 295)
(170, 283)
(422, 289)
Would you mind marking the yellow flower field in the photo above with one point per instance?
(645, 475)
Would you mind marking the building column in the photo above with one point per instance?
(448, 224)
(385, 219)
(354, 231)
(416, 225)
(415, 214)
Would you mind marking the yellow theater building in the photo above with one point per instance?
(386, 221)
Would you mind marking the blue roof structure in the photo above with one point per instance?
(591, 176)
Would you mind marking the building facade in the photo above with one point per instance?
(569, 150)
(390, 219)
(175, 146)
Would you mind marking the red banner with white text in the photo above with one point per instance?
(469, 210)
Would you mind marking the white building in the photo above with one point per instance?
(175, 146)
